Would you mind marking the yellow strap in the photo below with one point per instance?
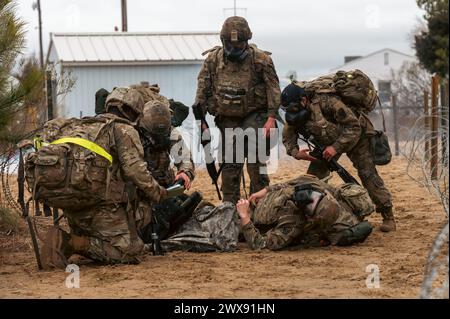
(86, 144)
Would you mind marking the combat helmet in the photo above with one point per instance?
(236, 29)
(127, 101)
(155, 123)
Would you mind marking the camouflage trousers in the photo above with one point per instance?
(233, 169)
(362, 160)
(111, 238)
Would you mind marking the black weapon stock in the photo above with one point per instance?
(332, 164)
(206, 143)
(25, 209)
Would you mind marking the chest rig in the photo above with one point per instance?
(238, 89)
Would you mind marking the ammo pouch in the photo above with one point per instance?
(380, 148)
(357, 199)
(232, 102)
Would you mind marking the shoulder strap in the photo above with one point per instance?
(382, 114)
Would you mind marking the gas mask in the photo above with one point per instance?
(235, 51)
(296, 115)
(158, 138)
(306, 198)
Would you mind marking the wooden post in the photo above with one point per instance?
(444, 121)
(434, 127)
(395, 117)
(426, 110)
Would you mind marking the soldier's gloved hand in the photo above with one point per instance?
(329, 152)
(185, 178)
(242, 207)
(303, 154)
(255, 197)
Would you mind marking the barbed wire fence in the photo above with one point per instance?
(427, 154)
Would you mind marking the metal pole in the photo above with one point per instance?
(124, 16)
(41, 53)
(235, 8)
(434, 126)
(395, 117)
(48, 75)
(426, 110)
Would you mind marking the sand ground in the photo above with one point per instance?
(327, 272)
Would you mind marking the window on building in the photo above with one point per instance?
(386, 58)
(384, 91)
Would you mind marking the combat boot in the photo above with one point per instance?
(56, 249)
(388, 220)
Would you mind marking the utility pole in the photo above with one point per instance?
(124, 16)
(234, 10)
(37, 5)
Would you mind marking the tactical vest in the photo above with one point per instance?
(72, 167)
(237, 89)
(324, 131)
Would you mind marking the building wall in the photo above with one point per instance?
(374, 66)
(177, 81)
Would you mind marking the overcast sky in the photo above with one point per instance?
(309, 37)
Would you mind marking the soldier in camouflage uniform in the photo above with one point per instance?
(239, 86)
(160, 140)
(336, 126)
(304, 209)
(108, 232)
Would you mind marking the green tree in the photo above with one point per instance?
(14, 90)
(432, 45)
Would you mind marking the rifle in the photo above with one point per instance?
(25, 209)
(206, 143)
(332, 164)
(168, 216)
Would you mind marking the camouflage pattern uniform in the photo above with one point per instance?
(277, 222)
(158, 160)
(112, 236)
(334, 123)
(239, 94)
(111, 229)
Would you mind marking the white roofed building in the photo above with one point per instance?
(108, 60)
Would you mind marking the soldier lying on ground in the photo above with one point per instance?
(305, 210)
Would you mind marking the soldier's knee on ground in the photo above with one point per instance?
(118, 250)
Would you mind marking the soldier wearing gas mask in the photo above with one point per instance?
(160, 141)
(239, 86)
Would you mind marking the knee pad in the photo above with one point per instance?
(355, 234)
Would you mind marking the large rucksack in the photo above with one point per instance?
(354, 88)
(71, 167)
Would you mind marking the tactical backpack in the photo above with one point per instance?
(354, 88)
(71, 167)
(356, 198)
